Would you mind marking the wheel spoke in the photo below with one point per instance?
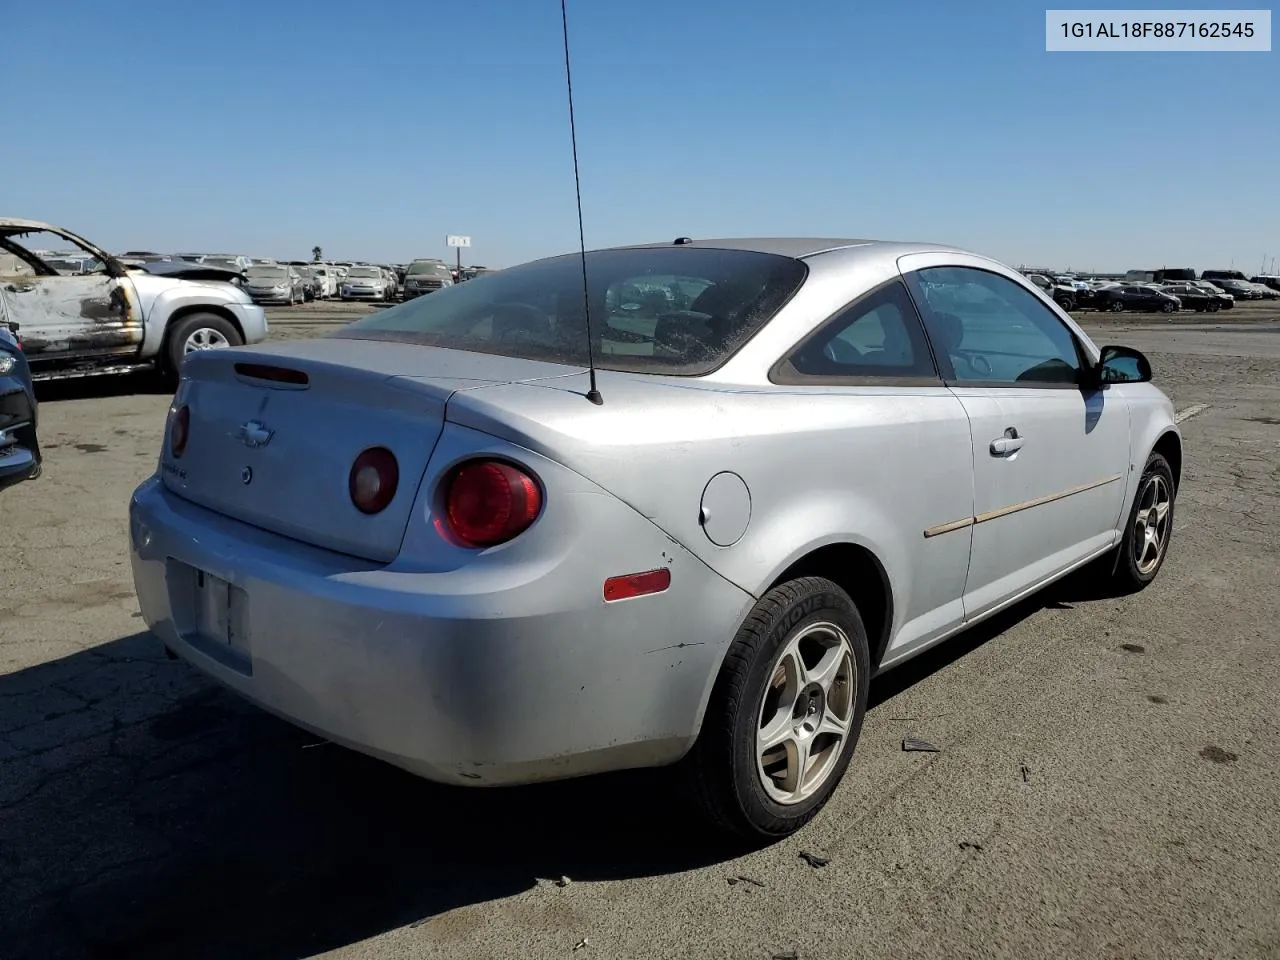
(1148, 497)
(834, 725)
(797, 765)
(825, 670)
(776, 732)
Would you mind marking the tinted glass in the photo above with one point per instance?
(879, 336)
(670, 310)
(988, 329)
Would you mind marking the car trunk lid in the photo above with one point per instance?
(274, 431)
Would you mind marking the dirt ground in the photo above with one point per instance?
(1108, 781)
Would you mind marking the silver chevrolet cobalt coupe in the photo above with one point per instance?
(428, 538)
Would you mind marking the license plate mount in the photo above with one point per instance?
(219, 611)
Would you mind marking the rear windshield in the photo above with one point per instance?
(666, 310)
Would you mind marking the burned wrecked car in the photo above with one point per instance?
(110, 319)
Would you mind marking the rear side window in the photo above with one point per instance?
(665, 310)
(877, 338)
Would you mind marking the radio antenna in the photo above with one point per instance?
(593, 394)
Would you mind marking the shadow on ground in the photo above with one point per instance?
(94, 388)
(145, 813)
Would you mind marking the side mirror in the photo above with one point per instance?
(1122, 365)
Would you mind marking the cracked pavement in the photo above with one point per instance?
(1108, 781)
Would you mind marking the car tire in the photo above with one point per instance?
(1136, 566)
(1115, 306)
(174, 349)
(737, 791)
(1167, 308)
(1066, 303)
(1212, 307)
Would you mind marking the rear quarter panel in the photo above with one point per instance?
(874, 466)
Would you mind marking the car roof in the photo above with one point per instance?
(17, 225)
(802, 247)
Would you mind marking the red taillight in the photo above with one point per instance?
(637, 584)
(179, 430)
(373, 479)
(490, 502)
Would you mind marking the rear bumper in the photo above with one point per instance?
(512, 672)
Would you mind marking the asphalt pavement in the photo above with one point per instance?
(1107, 784)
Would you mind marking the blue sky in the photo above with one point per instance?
(376, 129)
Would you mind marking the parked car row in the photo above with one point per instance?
(1165, 291)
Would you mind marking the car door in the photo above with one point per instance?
(902, 450)
(77, 315)
(1050, 456)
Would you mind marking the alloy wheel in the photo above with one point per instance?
(204, 338)
(805, 718)
(1151, 524)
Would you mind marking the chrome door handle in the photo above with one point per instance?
(1011, 442)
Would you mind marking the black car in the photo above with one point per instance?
(1267, 280)
(1133, 296)
(1198, 298)
(1240, 289)
(19, 451)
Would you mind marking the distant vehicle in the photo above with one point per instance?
(1179, 275)
(1135, 296)
(1216, 275)
(1064, 295)
(74, 266)
(1263, 291)
(393, 282)
(274, 283)
(1267, 280)
(310, 285)
(364, 283)
(19, 448)
(228, 260)
(115, 319)
(1140, 276)
(181, 269)
(326, 280)
(1197, 298)
(1240, 289)
(426, 276)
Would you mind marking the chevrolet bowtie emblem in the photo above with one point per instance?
(255, 434)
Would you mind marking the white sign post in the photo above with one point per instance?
(458, 243)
